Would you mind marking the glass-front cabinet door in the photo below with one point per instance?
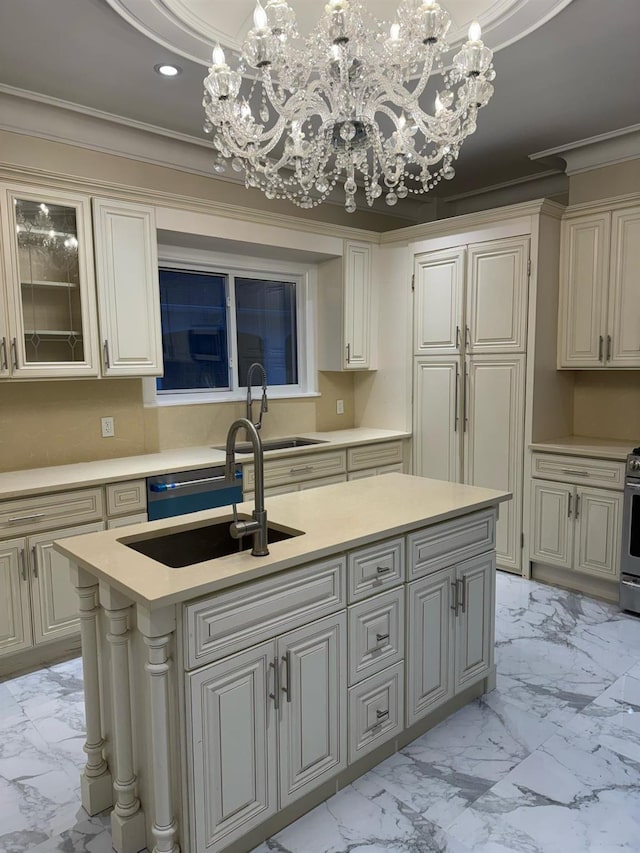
(49, 277)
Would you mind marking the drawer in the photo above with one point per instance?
(376, 709)
(376, 634)
(450, 542)
(374, 455)
(398, 467)
(248, 614)
(45, 512)
(601, 473)
(125, 520)
(127, 497)
(297, 469)
(323, 481)
(375, 569)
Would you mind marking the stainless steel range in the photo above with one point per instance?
(630, 556)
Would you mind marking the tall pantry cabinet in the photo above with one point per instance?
(474, 297)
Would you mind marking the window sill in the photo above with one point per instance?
(189, 399)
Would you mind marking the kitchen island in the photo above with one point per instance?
(227, 696)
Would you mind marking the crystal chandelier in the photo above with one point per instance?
(347, 103)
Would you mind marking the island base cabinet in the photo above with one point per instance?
(268, 726)
(449, 633)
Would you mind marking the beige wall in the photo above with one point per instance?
(607, 182)
(606, 404)
(54, 423)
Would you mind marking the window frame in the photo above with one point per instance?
(304, 276)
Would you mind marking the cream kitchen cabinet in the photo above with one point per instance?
(599, 322)
(274, 721)
(469, 427)
(128, 289)
(472, 299)
(40, 603)
(449, 633)
(576, 527)
(344, 309)
(50, 328)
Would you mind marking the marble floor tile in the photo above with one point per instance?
(570, 795)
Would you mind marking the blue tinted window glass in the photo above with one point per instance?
(266, 329)
(194, 330)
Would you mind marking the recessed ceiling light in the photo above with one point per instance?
(167, 70)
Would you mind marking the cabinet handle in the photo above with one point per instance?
(382, 714)
(577, 505)
(105, 348)
(465, 376)
(457, 337)
(383, 570)
(454, 597)
(302, 469)
(14, 350)
(34, 557)
(381, 637)
(23, 563)
(5, 363)
(600, 345)
(16, 518)
(467, 337)
(276, 684)
(455, 423)
(569, 505)
(575, 471)
(608, 357)
(287, 662)
(348, 353)
(463, 594)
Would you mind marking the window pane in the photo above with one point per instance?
(266, 320)
(194, 330)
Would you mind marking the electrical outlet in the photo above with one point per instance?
(108, 429)
(339, 407)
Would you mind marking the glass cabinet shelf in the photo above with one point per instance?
(53, 333)
(41, 283)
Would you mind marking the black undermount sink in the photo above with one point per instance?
(276, 444)
(197, 544)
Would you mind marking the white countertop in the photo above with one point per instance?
(33, 481)
(580, 445)
(332, 518)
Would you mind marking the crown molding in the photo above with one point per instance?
(607, 149)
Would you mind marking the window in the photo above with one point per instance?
(216, 323)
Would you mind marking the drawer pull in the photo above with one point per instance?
(575, 471)
(381, 637)
(302, 469)
(17, 518)
(383, 570)
(380, 717)
(382, 714)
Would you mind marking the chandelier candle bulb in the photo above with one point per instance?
(347, 104)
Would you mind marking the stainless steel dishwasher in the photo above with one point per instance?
(189, 491)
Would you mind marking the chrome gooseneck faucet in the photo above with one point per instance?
(264, 405)
(258, 523)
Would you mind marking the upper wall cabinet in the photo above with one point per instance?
(344, 310)
(50, 325)
(599, 323)
(472, 299)
(128, 290)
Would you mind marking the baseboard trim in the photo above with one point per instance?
(39, 656)
(606, 590)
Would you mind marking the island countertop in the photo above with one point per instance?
(332, 518)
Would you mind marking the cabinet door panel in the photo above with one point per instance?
(233, 758)
(597, 538)
(437, 422)
(584, 265)
(430, 644)
(473, 622)
(357, 307)
(54, 598)
(624, 290)
(313, 721)
(494, 442)
(439, 281)
(128, 290)
(497, 287)
(15, 620)
(552, 507)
